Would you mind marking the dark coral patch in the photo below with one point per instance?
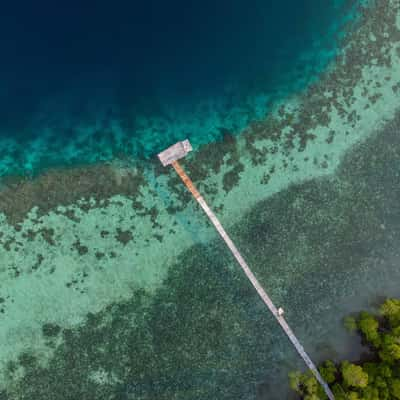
(123, 237)
(204, 333)
(79, 247)
(65, 187)
(50, 330)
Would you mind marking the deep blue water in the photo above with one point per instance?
(150, 54)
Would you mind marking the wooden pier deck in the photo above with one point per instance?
(277, 313)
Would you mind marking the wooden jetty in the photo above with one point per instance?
(171, 156)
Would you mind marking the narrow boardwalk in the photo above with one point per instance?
(264, 296)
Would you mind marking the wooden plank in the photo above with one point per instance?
(261, 292)
(186, 180)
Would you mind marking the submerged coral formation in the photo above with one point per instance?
(114, 285)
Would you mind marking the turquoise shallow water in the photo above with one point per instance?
(111, 102)
(126, 297)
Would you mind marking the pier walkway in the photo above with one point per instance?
(173, 155)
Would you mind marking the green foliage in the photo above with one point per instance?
(353, 396)
(311, 385)
(339, 392)
(377, 371)
(295, 379)
(350, 324)
(328, 371)
(371, 393)
(391, 310)
(377, 380)
(353, 375)
(312, 397)
(306, 385)
(395, 388)
(368, 325)
(390, 349)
